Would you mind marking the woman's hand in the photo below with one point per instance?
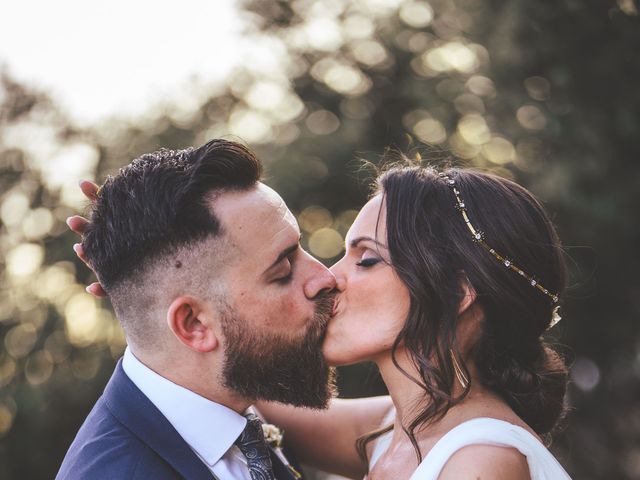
(79, 224)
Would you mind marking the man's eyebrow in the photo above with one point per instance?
(285, 253)
(354, 243)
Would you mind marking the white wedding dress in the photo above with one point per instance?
(482, 431)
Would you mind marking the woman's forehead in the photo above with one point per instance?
(371, 220)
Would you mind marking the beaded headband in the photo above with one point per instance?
(478, 236)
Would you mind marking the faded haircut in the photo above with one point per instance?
(153, 227)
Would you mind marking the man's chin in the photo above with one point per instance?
(295, 393)
(323, 389)
(264, 366)
(329, 392)
(294, 374)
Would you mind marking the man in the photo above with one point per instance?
(220, 307)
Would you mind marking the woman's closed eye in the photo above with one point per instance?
(368, 262)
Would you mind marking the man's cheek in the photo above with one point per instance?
(285, 312)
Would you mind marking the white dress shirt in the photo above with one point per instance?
(209, 428)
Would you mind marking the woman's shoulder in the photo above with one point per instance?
(486, 461)
(496, 444)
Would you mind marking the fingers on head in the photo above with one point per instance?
(89, 189)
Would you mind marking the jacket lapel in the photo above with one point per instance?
(282, 471)
(135, 411)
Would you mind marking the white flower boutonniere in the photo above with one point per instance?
(272, 435)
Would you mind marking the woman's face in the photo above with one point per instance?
(372, 303)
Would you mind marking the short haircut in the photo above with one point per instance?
(159, 205)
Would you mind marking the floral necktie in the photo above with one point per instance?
(254, 447)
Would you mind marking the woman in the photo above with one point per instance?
(448, 283)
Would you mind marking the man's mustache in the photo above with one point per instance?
(325, 301)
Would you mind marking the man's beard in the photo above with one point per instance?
(260, 365)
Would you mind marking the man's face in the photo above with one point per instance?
(277, 303)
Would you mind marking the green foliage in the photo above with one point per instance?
(544, 92)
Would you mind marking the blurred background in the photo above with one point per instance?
(546, 93)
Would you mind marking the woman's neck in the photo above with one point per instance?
(407, 396)
(410, 399)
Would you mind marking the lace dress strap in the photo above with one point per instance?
(490, 431)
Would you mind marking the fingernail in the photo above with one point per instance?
(76, 247)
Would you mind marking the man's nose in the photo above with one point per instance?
(320, 279)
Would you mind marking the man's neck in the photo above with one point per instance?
(195, 377)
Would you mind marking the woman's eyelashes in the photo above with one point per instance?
(368, 262)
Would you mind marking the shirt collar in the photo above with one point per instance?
(209, 428)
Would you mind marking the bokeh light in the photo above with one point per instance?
(24, 260)
(314, 218)
(314, 87)
(531, 117)
(326, 243)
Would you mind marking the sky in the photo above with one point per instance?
(99, 59)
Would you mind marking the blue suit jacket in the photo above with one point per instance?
(126, 437)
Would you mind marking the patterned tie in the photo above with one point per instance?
(252, 444)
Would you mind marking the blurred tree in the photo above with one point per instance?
(544, 93)
(56, 338)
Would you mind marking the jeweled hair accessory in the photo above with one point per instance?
(478, 236)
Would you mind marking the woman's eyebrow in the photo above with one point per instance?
(354, 243)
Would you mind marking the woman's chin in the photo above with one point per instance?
(335, 354)
(339, 354)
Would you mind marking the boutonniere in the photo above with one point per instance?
(272, 435)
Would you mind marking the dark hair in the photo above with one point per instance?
(431, 250)
(158, 203)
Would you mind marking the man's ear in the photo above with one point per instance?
(191, 323)
(469, 297)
